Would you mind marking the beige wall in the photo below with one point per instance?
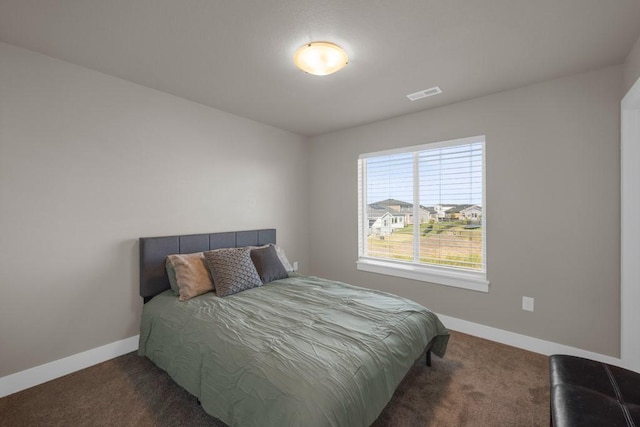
(89, 163)
(632, 66)
(553, 207)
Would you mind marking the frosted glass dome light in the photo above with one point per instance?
(320, 58)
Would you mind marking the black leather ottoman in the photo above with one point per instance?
(588, 393)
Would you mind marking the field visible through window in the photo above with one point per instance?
(451, 243)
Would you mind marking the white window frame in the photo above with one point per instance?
(448, 276)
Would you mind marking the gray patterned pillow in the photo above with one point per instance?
(232, 270)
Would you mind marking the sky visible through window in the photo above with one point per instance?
(449, 175)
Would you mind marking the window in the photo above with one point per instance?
(440, 189)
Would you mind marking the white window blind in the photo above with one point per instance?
(424, 207)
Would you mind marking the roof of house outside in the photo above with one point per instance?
(386, 206)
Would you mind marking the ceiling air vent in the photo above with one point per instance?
(424, 93)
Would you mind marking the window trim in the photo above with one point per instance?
(448, 276)
(424, 273)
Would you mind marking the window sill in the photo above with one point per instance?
(441, 276)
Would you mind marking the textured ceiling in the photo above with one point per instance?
(237, 55)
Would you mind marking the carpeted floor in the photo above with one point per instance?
(478, 383)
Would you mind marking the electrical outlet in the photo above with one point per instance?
(527, 303)
(295, 265)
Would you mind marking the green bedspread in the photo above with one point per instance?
(301, 351)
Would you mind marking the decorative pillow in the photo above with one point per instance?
(268, 264)
(283, 258)
(171, 272)
(281, 255)
(192, 276)
(232, 270)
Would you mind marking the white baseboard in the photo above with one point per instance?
(523, 341)
(40, 374)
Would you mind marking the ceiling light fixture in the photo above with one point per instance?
(320, 58)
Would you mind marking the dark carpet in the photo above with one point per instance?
(478, 383)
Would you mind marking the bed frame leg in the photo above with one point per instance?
(428, 357)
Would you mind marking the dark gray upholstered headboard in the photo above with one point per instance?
(154, 251)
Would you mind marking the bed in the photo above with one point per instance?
(296, 351)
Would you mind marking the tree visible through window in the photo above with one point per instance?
(434, 194)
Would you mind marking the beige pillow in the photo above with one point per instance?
(192, 275)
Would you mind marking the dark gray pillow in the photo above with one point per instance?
(232, 270)
(268, 264)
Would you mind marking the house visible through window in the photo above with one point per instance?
(434, 195)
